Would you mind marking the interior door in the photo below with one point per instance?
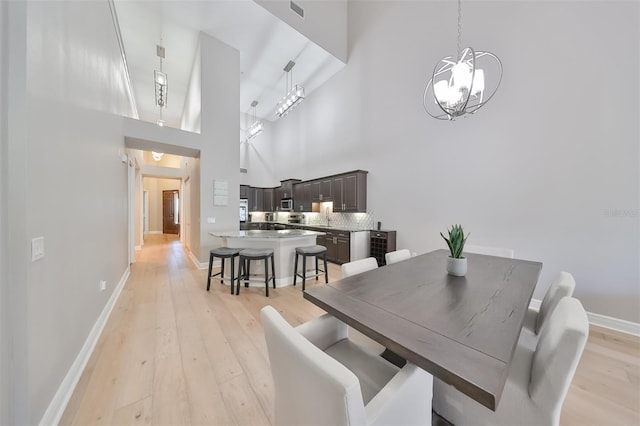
(170, 212)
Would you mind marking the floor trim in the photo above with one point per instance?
(59, 402)
(202, 265)
(617, 324)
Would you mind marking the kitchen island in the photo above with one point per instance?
(282, 242)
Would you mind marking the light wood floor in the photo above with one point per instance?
(173, 354)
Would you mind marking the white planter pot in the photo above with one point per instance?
(457, 267)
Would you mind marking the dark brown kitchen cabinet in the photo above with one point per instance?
(256, 196)
(286, 188)
(268, 204)
(350, 192)
(338, 244)
(302, 197)
(343, 245)
(322, 190)
(382, 242)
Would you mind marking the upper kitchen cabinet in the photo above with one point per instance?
(256, 197)
(244, 191)
(268, 200)
(350, 192)
(322, 190)
(286, 188)
(302, 197)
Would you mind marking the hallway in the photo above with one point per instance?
(173, 354)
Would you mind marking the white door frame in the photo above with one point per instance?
(130, 210)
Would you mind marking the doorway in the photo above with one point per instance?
(171, 212)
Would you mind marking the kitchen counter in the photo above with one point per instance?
(257, 234)
(322, 227)
(283, 243)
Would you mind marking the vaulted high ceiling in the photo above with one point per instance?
(265, 43)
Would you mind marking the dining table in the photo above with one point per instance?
(462, 330)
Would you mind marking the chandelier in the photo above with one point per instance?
(257, 127)
(293, 95)
(161, 85)
(458, 86)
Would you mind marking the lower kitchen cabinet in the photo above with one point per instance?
(344, 249)
(344, 246)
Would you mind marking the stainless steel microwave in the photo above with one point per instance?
(286, 204)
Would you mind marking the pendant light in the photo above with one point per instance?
(458, 86)
(257, 126)
(161, 85)
(293, 95)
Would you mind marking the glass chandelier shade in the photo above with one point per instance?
(460, 85)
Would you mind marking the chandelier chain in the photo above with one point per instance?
(459, 28)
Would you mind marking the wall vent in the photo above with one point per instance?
(296, 8)
(243, 170)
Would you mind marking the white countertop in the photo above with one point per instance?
(286, 233)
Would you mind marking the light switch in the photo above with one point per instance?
(37, 248)
(211, 220)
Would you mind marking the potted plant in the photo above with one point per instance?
(456, 263)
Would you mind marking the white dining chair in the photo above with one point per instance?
(322, 378)
(537, 381)
(397, 256)
(359, 266)
(490, 251)
(534, 319)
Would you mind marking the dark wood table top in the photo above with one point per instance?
(463, 330)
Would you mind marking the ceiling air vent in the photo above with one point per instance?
(296, 8)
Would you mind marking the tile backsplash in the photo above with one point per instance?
(343, 220)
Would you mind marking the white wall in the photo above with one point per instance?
(548, 168)
(4, 320)
(66, 98)
(324, 22)
(155, 186)
(220, 124)
(190, 120)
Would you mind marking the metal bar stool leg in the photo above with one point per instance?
(273, 270)
(233, 275)
(295, 269)
(326, 271)
(222, 271)
(266, 276)
(209, 274)
(304, 271)
(316, 256)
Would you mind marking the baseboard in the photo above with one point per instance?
(59, 402)
(623, 326)
(202, 265)
(616, 324)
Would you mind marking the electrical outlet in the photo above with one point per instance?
(103, 285)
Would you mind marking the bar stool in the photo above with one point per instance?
(223, 253)
(315, 251)
(244, 271)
